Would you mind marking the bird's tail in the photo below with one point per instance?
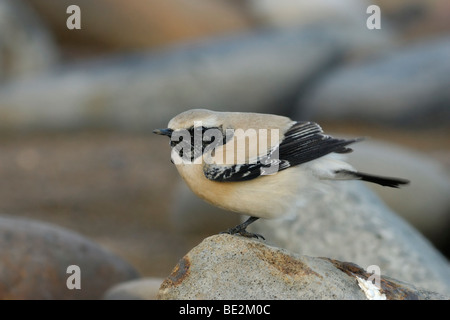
(384, 181)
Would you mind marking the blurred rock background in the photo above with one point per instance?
(77, 108)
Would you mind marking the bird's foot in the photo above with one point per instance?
(243, 232)
(240, 229)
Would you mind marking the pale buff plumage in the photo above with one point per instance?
(246, 197)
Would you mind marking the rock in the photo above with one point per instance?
(425, 202)
(252, 72)
(348, 222)
(107, 23)
(407, 86)
(140, 289)
(34, 261)
(26, 46)
(236, 268)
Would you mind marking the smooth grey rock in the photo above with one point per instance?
(26, 46)
(34, 257)
(348, 222)
(237, 268)
(408, 86)
(425, 203)
(140, 289)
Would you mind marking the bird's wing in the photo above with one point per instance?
(235, 172)
(303, 142)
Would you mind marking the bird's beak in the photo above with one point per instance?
(163, 132)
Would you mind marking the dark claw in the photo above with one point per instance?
(240, 229)
(247, 234)
(243, 232)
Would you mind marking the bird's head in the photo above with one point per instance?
(187, 131)
(188, 120)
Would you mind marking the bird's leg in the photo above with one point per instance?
(240, 229)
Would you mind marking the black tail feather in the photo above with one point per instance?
(384, 181)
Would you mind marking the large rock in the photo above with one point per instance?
(233, 267)
(347, 221)
(34, 261)
(425, 202)
(260, 71)
(26, 46)
(408, 86)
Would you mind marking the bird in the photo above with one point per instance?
(256, 164)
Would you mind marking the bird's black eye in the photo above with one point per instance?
(196, 141)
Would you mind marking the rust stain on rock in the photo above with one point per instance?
(282, 262)
(179, 273)
(392, 289)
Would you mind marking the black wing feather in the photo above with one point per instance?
(232, 173)
(381, 180)
(303, 142)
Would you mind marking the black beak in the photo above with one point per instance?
(163, 132)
